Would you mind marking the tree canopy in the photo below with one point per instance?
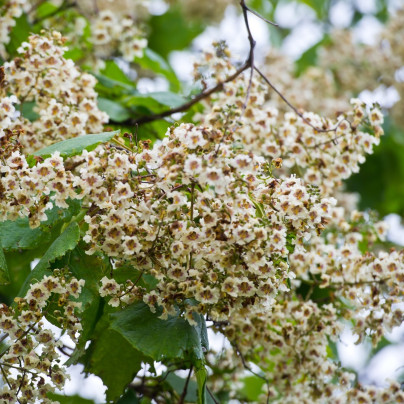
(141, 213)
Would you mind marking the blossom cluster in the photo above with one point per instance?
(322, 151)
(64, 97)
(369, 283)
(110, 32)
(9, 11)
(114, 26)
(207, 222)
(30, 361)
(30, 191)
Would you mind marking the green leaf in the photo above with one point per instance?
(321, 7)
(18, 35)
(154, 62)
(28, 111)
(115, 111)
(178, 384)
(114, 72)
(252, 387)
(64, 243)
(128, 398)
(18, 235)
(91, 268)
(168, 98)
(113, 359)
(159, 339)
(154, 101)
(4, 275)
(45, 9)
(172, 31)
(75, 146)
(69, 399)
(309, 57)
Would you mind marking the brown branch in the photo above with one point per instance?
(260, 16)
(249, 63)
(252, 42)
(291, 106)
(211, 395)
(184, 391)
(182, 108)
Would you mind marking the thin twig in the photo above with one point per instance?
(250, 59)
(247, 367)
(260, 16)
(184, 391)
(291, 106)
(211, 395)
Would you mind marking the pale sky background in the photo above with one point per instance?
(388, 363)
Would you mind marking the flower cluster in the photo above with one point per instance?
(64, 97)
(9, 11)
(29, 191)
(110, 32)
(207, 221)
(323, 152)
(371, 283)
(30, 362)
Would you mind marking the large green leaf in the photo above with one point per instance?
(111, 357)
(45, 9)
(75, 146)
(4, 275)
(159, 339)
(64, 243)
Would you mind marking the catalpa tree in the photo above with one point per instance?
(134, 221)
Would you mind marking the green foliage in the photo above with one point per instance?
(73, 147)
(69, 399)
(114, 360)
(116, 111)
(252, 387)
(65, 242)
(380, 180)
(155, 63)
(160, 339)
(4, 275)
(172, 31)
(19, 35)
(18, 235)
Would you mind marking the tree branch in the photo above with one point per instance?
(184, 107)
(184, 391)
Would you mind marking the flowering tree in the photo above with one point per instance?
(135, 221)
